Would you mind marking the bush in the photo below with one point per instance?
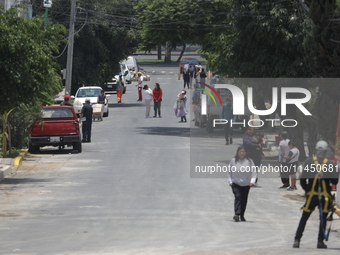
(20, 122)
(13, 154)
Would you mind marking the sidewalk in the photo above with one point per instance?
(10, 165)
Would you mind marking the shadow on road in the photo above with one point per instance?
(126, 105)
(13, 181)
(165, 131)
(56, 151)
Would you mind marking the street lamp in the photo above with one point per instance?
(47, 4)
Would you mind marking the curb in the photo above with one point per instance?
(9, 165)
(17, 161)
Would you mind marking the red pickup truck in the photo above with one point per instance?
(58, 126)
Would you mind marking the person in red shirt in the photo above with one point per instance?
(157, 98)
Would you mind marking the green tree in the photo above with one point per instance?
(28, 73)
(104, 35)
(322, 47)
(27, 70)
(264, 40)
(174, 23)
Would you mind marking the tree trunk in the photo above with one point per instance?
(182, 52)
(167, 58)
(159, 52)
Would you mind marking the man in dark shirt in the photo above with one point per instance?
(86, 112)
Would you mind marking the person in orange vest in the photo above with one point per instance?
(120, 88)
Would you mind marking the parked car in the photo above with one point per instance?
(132, 64)
(58, 126)
(112, 85)
(90, 92)
(125, 70)
(189, 61)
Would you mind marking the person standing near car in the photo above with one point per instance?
(66, 101)
(102, 98)
(140, 86)
(157, 100)
(120, 88)
(86, 112)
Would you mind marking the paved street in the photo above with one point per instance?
(130, 192)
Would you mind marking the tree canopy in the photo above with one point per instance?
(28, 73)
(178, 22)
(104, 35)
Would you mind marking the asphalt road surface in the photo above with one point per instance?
(131, 191)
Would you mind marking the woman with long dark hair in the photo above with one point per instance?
(157, 99)
(241, 176)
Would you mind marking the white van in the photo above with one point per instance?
(132, 64)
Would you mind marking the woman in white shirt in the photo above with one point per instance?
(241, 176)
(147, 94)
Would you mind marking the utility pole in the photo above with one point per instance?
(70, 49)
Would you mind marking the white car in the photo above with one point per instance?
(132, 64)
(91, 92)
(126, 73)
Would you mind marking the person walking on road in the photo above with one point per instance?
(147, 99)
(283, 151)
(240, 181)
(293, 164)
(317, 175)
(140, 86)
(86, 112)
(186, 76)
(227, 114)
(157, 100)
(180, 107)
(120, 88)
